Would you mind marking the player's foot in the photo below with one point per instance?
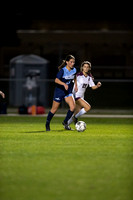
(75, 120)
(47, 127)
(66, 126)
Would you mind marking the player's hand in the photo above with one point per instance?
(76, 88)
(66, 86)
(99, 84)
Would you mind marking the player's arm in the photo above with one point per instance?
(96, 86)
(58, 81)
(2, 94)
(75, 84)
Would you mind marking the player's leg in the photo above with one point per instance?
(55, 107)
(71, 102)
(51, 113)
(85, 107)
(77, 109)
(82, 107)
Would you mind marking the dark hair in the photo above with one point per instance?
(68, 57)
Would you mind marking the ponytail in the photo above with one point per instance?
(62, 65)
(68, 57)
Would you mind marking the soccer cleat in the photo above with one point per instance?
(75, 120)
(47, 127)
(66, 126)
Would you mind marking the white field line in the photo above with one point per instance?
(83, 116)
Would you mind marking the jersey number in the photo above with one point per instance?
(84, 85)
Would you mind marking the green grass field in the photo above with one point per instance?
(96, 164)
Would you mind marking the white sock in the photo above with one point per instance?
(81, 112)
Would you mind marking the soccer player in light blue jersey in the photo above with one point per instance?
(64, 86)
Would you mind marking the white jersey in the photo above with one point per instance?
(82, 83)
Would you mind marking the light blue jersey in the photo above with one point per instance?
(67, 77)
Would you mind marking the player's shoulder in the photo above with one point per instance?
(90, 74)
(75, 70)
(60, 72)
(79, 74)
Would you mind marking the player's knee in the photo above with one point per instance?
(88, 108)
(72, 108)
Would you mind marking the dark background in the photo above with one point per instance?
(101, 32)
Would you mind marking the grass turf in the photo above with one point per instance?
(96, 164)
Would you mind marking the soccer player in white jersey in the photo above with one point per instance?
(84, 78)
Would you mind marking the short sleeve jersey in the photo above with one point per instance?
(82, 83)
(67, 77)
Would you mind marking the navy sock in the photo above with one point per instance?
(49, 117)
(68, 116)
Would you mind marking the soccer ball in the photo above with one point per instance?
(80, 126)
